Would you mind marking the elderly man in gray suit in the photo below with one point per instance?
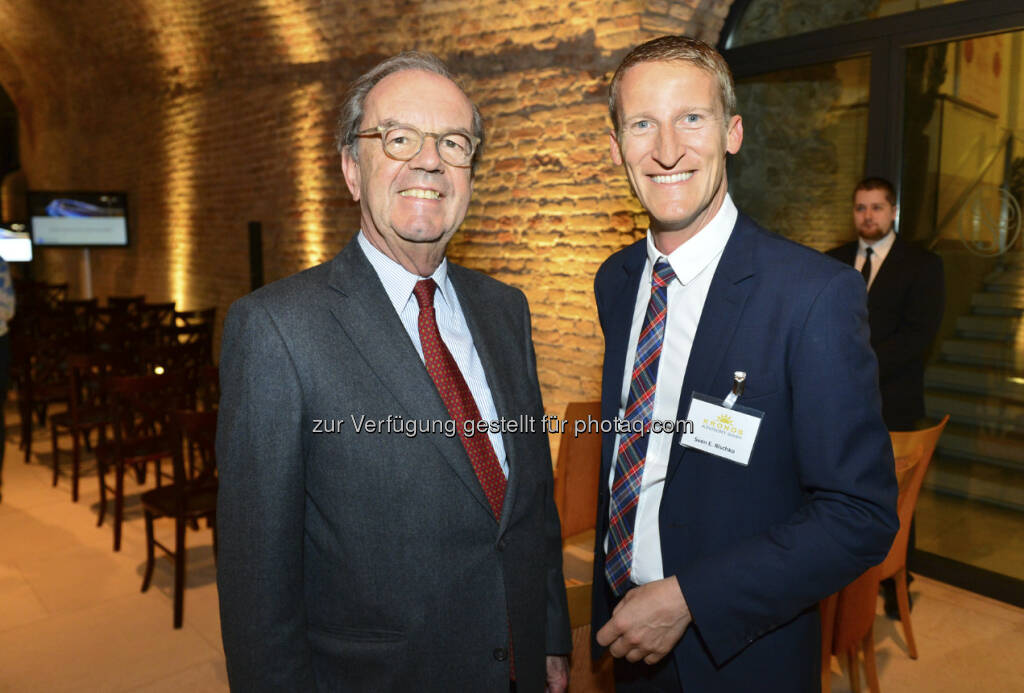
(386, 518)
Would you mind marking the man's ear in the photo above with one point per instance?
(613, 148)
(350, 168)
(734, 135)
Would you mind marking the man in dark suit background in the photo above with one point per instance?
(370, 538)
(906, 297)
(708, 570)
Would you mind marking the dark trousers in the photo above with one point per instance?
(661, 677)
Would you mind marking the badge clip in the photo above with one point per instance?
(739, 379)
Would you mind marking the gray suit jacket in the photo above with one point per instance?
(362, 561)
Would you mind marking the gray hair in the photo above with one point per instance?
(351, 116)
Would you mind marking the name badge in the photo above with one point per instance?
(722, 427)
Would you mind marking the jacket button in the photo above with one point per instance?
(502, 543)
(500, 654)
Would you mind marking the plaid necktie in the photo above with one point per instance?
(457, 398)
(629, 460)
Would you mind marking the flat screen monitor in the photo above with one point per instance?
(15, 243)
(78, 219)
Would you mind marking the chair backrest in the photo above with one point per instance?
(201, 316)
(89, 374)
(142, 404)
(906, 446)
(198, 430)
(155, 315)
(578, 469)
(207, 387)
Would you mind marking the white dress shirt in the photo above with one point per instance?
(694, 264)
(879, 251)
(451, 323)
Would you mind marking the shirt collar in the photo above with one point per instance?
(879, 247)
(398, 282)
(693, 256)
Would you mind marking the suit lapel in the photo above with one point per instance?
(847, 253)
(364, 312)
(483, 317)
(888, 273)
(718, 320)
(621, 292)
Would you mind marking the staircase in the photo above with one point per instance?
(978, 380)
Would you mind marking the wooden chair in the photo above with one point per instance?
(910, 477)
(154, 319)
(577, 470)
(127, 304)
(40, 375)
(586, 674)
(119, 324)
(88, 409)
(207, 388)
(188, 499)
(848, 616)
(187, 318)
(140, 411)
(853, 631)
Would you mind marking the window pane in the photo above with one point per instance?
(770, 19)
(962, 186)
(804, 142)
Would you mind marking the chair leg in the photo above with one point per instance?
(903, 601)
(76, 458)
(53, 440)
(851, 660)
(870, 666)
(101, 474)
(827, 608)
(179, 570)
(150, 558)
(118, 504)
(25, 425)
(28, 442)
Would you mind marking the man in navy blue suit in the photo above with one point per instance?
(715, 543)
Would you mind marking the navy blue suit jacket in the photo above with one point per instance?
(755, 547)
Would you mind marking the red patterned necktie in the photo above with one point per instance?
(632, 452)
(458, 400)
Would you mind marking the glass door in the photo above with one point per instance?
(962, 188)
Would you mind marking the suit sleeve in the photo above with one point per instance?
(919, 321)
(558, 634)
(260, 507)
(844, 463)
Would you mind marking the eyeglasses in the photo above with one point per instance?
(403, 142)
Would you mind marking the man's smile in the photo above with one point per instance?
(422, 193)
(673, 178)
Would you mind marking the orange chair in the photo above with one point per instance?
(910, 477)
(586, 674)
(848, 617)
(578, 469)
(853, 629)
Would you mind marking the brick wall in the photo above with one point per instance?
(214, 113)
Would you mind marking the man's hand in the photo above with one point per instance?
(558, 674)
(647, 623)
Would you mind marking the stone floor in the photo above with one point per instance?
(72, 617)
